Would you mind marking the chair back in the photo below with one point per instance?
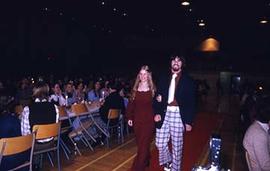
(79, 108)
(62, 111)
(14, 145)
(18, 109)
(47, 131)
(248, 160)
(114, 113)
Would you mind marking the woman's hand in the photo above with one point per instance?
(130, 123)
(188, 127)
(157, 118)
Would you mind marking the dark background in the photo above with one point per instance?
(80, 37)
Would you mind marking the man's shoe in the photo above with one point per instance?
(167, 166)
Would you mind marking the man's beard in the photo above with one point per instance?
(176, 69)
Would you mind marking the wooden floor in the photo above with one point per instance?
(120, 156)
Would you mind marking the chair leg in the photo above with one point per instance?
(107, 142)
(101, 129)
(40, 160)
(58, 159)
(122, 133)
(83, 140)
(65, 146)
(118, 134)
(88, 144)
(75, 146)
(65, 151)
(50, 159)
(90, 135)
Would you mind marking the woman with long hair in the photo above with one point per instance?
(140, 116)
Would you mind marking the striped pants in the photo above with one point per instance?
(171, 127)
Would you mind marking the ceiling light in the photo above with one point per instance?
(210, 45)
(185, 3)
(201, 24)
(263, 21)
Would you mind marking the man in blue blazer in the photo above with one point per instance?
(174, 109)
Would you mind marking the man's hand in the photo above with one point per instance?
(130, 122)
(159, 98)
(157, 118)
(188, 127)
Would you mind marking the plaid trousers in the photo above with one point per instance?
(172, 127)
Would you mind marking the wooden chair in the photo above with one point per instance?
(115, 114)
(15, 145)
(98, 126)
(64, 129)
(80, 110)
(44, 132)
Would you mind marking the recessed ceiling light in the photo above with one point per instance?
(201, 24)
(264, 21)
(185, 3)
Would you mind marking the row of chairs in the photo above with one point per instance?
(81, 132)
(16, 145)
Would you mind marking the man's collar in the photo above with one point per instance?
(265, 126)
(38, 100)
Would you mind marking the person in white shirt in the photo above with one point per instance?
(40, 112)
(257, 139)
(57, 98)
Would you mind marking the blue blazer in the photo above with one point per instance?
(184, 95)
(10, 126)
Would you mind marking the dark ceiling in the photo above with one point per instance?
(138, 23)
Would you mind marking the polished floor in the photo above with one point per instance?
(119, 157)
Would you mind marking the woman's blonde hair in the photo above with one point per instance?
(41, 91)
(150, 82)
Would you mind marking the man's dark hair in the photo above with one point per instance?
(180, 57)
(114, 85)
(263, 110)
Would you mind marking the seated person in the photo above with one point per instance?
(10, 127)
(40, 112)
(257, 139)
(57, 97)
(113, 101)
(79, 93)
(94, 94)
(70, 94)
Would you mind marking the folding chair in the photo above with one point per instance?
(115, 114)
(16, 145)
(80, 111)
(64, 129)
(45, 132)
(96, 113)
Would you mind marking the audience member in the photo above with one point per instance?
(257, 139)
